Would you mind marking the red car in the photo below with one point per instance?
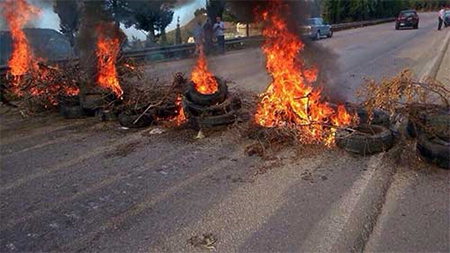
(407, 18)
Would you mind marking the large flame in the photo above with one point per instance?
(107, 50)
(203, 80)
(290, 98)
(17, 13)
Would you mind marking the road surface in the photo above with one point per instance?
(347, 58)
(81, 185)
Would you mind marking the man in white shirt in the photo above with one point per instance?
(218, 29)
(441, 18)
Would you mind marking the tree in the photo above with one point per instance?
(150, 16)
(69, 15)
(215, 8)
(199, 12)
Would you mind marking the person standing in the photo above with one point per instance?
(208, 35)
(198, 37)
(219, 28)
(441, 18)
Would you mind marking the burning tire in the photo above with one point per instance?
(366, 140)
(207, 99)
(434, 150)
(127, 120)
(212, 121)
(196, 110)
(380, 118)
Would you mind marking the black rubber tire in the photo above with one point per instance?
(435, 123)
(364, 143)
(207, 99)
(167, 111)
(71, 111)
(196, 110)
(128, 120)
(380, 118)
(317, 36)
(397, 27)
(106, 115)
(212, 121)
(330, 34)
(70, 108)
(93, 101)
(434, 150)
(439, 124)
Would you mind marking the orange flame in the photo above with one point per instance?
(181, 117)
(107, 50)
(290, 98)
(203, 80)
(17, 13)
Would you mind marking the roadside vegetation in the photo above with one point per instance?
(339, 11)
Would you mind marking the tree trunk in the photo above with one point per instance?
(247, 29)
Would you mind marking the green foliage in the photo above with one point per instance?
(215, 8)
(69, 16)
(151, 16)
(199, 12)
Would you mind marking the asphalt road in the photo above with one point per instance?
(81, 185)
(346, 59)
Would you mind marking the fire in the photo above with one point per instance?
(203, 80)
(17, 13)
(181, 117)
(290, 99)
(107, 50)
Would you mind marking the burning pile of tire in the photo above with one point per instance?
(210, 110)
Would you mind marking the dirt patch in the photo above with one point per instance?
(123, 150)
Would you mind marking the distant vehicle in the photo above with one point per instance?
(447, 18)
(315, 28)
(407, 18)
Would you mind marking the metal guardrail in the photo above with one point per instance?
(187, 50)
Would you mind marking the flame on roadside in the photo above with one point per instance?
(203, 80)
(181, 117)
(107, 51)
(16, 14)
(290, 99)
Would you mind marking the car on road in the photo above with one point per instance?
(447, 18)
(408, 18)
(316, 28)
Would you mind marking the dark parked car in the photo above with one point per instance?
(315, 28)
(407, 18)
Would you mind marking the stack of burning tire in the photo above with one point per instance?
(210, 110)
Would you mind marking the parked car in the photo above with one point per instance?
(447, 18)
(407, 18)
(316, 28)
